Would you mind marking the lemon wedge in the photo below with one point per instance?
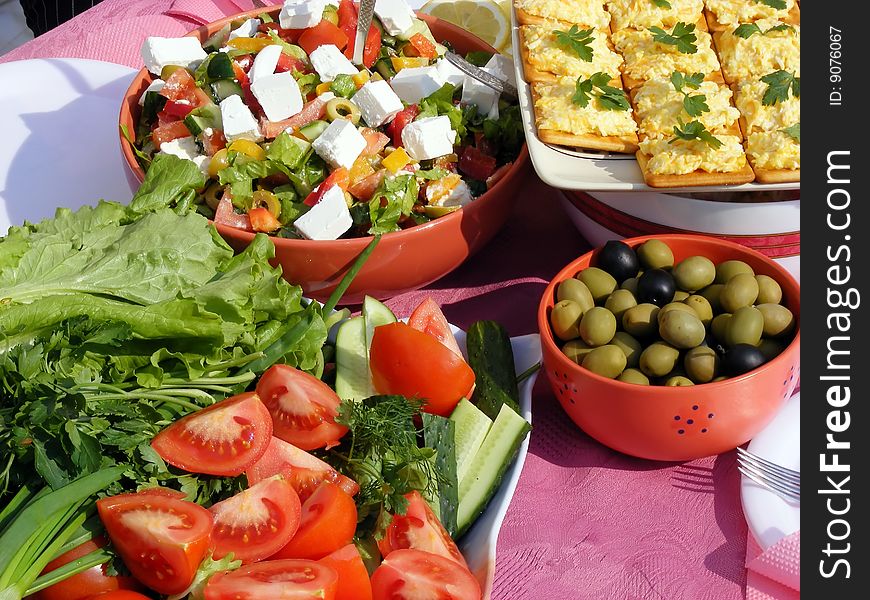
(484, 18)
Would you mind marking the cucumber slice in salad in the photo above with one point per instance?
(376, 314)
(471, 426)
(313, 130)
(352, 378)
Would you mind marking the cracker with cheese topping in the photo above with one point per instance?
(777, 46)
(642, 14)
(671, 162)
(659, 107)
(727, 14)
(586, 13)
(545, 58)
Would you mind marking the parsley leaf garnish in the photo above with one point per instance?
(683, 37)
(747, 30)
(780, 4)
(609, 97)
(694, 105)
(778, 85)
(794, 132)
(695, 130)
(578, 40)
(662, 3)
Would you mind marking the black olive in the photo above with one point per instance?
(618, 259)
(742, 358)
(656, 286)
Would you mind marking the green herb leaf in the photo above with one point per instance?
(582, 92)
(578, 40)
(400, 193)
(778, 85)
(793, 132)
(683, 37)
(747, 30)
(779, 4)
(680, 80)
(661, 3)
(598, 85)
(695, 130)
(780, 27)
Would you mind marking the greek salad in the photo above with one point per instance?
(298, 141)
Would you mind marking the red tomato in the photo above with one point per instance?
(225, 215)
(162, 540)
(179, 86)
(476, 164)
(162, 491)
(416, 575)
(372, 48)
(394, 129)
(375, 141)
(214, 141)
(419, 529)
(328, 523)
(321, 34)
(263, 220)
(339, 177)
(428, 318)
(304, 471)
(290, 63)
(365, 188)
(275, 580)
(119, 595)
(257, 522)
(347, 22)
(245, 61)
(245, 83)
(303, 408)
(169, 132)
(176, 110)
(87, 583)
(312, 111)
(411, 363)
(224, 439)
(353, 578)
(423, 46)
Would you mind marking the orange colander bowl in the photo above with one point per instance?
(674, 423)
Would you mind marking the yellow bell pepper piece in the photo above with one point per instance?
(407, 62)
(249, 44)
(361, 169)
(248, 148)
(361, 78)
(324, 87)
(397, 159)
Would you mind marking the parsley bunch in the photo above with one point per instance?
(695, 130)
(598, 85)
(683, 37)
(693, 105)
(778, 85)
(578, 40)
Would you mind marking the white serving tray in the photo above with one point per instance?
(568, 169)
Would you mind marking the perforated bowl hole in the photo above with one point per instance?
(692, 420)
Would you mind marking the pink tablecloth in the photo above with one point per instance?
(586, 523)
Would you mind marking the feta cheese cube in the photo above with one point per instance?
(328, 61)
(239, 122)
(246, 29)
(265, 62)
(448, 191)
(481, 95)
(377, 102)
(299, 14)
(157, 52)
(428, 138)
(502, 67)
(340, 144)
(416, 82)
(154, 86)
(279, 95)
(449, 73)
(187, 149)
(395, 15)
(327, 219)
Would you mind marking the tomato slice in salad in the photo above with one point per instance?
(304, 471)
(423, 46)
(321, 34)
(476, 164)
(95, 580)
(256, 522)
(428, 318)
(419, 529)
(347, 22)
(417, 575)
(365, 188)
(168, 132)
(314, 110)
(226, 215)
(162, 540)
(303, 408)
(328, 523)
(394, 129)
(119, 595)
(375, 141)
(290, 63)
(339, 177)
(353, 578)
(411, 363)
(180, 86)
(275, 580)
(224, 439)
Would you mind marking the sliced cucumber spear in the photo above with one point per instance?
(471, 428)
(353, 380)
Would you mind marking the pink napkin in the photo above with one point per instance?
(774, 574)
(206, 11)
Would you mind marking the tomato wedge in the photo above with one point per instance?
(256, 522)
(476, 164)
(303, 408)
(428, 318)
(162, 540)
(417, 575)
(179, 86)
(394, 129)
(321, 34)
(275, 580)
(168, 132)
(290, 63)
(225, 215)
(423, 46)
(419, 529)
(375, 141)
(223, 439)
(304, 471)
(87, 583)
(411, 363)
(328, 523)
(365, 188)
(353, 578)
(339, 177)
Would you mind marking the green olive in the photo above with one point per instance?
(719, 326)
(682, 329)
(701, 364)
(658, 359)
(769, 291)
(633, 376)
(618, 302)
(678, 381)
(680, 296)
(342, 108)
(778, 320)
(607, 361)
(702, 308)
(630, 284)
(600, 283)
(565, 319)
(728, 269)
(629, 346)
(745, 327)
(641, 320)
(674, 306)
(719, 378)
(576, 350)
(597, 326)
(713, 294)
(770, 349)
(655, 254)
(576, 290)
(694, 273)
(741, 290)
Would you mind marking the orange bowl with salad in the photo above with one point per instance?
(436, 201)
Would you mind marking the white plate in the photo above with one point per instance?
(567, 169)
(769, 516)
(59, 119)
